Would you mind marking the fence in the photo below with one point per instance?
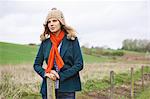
(132, 83)
(112, 94)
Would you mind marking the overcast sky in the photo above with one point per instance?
(98, 22)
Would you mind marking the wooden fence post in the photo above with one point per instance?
(132, 84)
(142, 72)
(50, 88)
(112, 84)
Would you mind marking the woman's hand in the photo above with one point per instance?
(55, 73)
(52, 75)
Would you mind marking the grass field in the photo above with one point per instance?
(20, 54)
(145, 94)
(18, 79)
(22, 81)
(16, 54)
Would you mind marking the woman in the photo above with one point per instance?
(61, 51)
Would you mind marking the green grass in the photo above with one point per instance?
(92, 85)
(126, 51)
(144, 94)
(119, 79)
(133, 52)
(125, 77)
(16, 54)
(32, 97)
(94, 59)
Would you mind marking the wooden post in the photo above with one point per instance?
(132, 84)
(50, 88)
(142, 72)
(112, 84)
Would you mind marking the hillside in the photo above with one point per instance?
(16, 54)
(23, 82)
(19, 54)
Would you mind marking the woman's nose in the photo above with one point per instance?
(51, 23)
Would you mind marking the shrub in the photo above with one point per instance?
(118, 53)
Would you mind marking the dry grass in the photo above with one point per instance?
(100, 70)
(21, 80)
(21, 74)
(16, 81)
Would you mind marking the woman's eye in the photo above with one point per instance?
(48, 21)
(54, 20)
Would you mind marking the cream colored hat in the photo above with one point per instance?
(54, 13)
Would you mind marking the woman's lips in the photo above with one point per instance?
(53, 28)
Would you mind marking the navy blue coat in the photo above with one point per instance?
(73, 62)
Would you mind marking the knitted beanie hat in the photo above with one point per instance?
(54, 13)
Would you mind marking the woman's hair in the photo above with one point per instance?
(71, 33)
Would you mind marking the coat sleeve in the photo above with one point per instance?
(39, 62)
(78, 63)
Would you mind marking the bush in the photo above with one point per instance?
(118, 53)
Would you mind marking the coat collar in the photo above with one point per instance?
(64, 46)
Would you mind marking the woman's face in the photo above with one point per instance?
(54, 25)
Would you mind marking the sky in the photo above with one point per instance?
(97, 22)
